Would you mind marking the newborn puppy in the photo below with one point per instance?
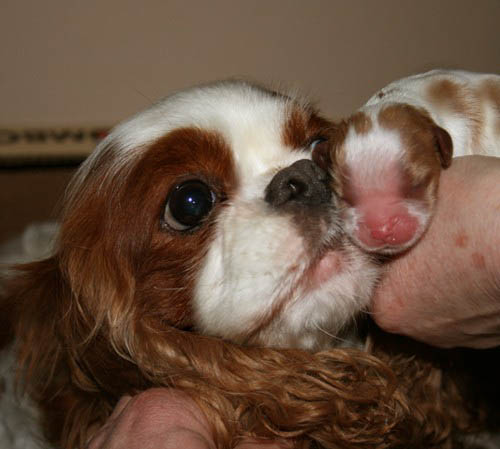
(203, 213)
(387, 157)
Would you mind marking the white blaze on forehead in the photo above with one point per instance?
(220, 107)
(371, 156)
(257, 143)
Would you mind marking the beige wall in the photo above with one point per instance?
(79, 62)
(96, 62)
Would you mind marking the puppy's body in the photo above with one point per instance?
(465, 104)
(389, 154)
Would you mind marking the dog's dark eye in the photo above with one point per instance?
(320, 149)
(187, 204)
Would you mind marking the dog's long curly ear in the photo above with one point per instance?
(42, 319)
(33, 307)
(32, 310)
(6, 320)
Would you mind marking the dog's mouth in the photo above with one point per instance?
(328, 257)
(326, 265)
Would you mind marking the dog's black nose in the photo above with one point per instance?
(303, 182)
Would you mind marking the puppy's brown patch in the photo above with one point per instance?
(361, 122)
(428, 147)
(448, 95)
(453, 98)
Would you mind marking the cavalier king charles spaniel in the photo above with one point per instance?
(202, 247)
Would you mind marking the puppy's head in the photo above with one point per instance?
(206, 213)
(385, 163)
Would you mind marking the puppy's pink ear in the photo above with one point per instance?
(444, 145)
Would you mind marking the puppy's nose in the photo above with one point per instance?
(303, 182)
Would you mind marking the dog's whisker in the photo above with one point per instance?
(333, 336)
(142, 94)
(169, 289)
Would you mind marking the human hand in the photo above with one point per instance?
(446, 290)
(161, 418)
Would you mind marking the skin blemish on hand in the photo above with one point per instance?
(478, 261)
(461, 240)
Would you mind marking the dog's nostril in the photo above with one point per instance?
(296, 188)
(302, 182)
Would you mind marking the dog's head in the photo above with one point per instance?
(206, 212)
(385, 162)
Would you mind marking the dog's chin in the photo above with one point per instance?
(314, 300)
(325, 267)
(332, 294)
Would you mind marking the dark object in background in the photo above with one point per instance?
(28, 195)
